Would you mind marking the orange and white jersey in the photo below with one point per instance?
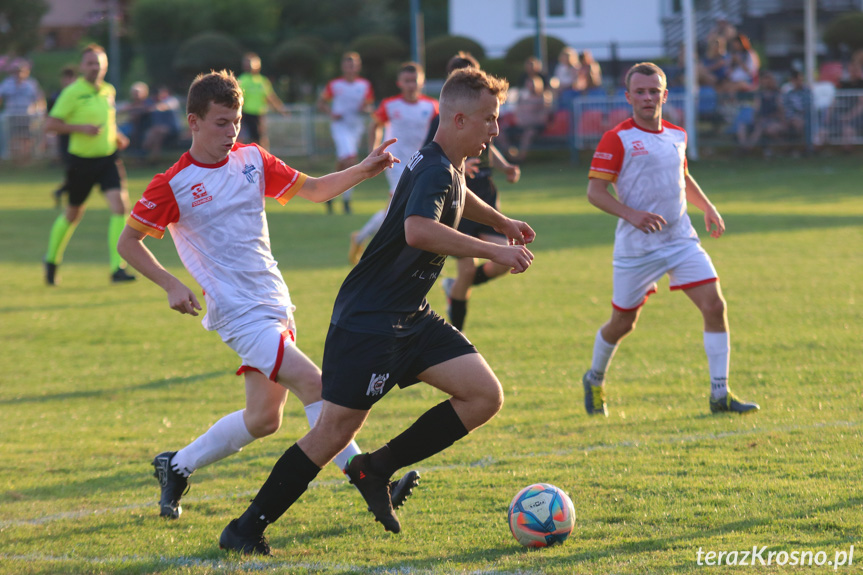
(406, 121)
(215, 213)
(648, 171)
(347, 99)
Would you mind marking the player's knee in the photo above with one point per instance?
(714, 308)
(491, 398)
(263, 423)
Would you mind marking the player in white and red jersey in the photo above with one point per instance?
(405, 118)
(212, 201)
(346, 100)
(644, 158)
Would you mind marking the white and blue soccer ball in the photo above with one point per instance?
(541, 515)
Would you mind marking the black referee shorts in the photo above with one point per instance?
(360, 368)
(84, 173)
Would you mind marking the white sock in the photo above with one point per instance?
(718, 348)
(602, 354)
(313, 411)
(372, 226)
(226, 437)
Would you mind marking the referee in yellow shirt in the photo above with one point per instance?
(258, 96)
(86, 111)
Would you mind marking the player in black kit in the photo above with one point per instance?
(384, 333)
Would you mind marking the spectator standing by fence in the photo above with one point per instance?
(22, 100)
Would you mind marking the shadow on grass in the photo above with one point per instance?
(328, 249)
(95, 393)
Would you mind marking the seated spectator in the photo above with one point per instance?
(743, 66)
(769, 116)
(852, 119)
(590, 74)
(713, 68)
(722, 29)
(136, 115)
(531, 116)
(163, 123)
(22, 101)
(795, 102)
(566, 79)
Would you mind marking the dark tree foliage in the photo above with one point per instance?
(19, 25)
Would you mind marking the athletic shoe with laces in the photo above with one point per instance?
(375, 490)
(174, 485)
(447, 284)
(355, 251)
(232, 540)
(731, 403)
(403, 488)
(122, 276)
(594, 396)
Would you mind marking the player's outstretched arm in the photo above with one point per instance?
(329, 186)
(131, 247)
(517, 232)
(432, 236)
(713, 222)
(599, 196)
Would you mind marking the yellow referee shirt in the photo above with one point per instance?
(256, 88)
(83, 103)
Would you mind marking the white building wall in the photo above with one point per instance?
(635, 25)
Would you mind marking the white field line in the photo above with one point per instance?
(484, 462)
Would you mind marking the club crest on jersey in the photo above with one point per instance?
(377, 384)
(201, 195)
(251, 173)
(638, 148)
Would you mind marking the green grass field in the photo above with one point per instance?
(98, 378)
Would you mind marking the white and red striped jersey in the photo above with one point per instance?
(347, 99)
(406, 121)
(648, 171)
(215, 213)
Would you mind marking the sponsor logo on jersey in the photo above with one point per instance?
(638, 148)
(251, 173)
(603, 156)
(201, 195)
(147, 203)
(377, 384)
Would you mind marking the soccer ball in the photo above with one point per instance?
(541, 515)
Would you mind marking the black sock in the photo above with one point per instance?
(288, 480)
(434, 431)
(457, 312)
(479, 277)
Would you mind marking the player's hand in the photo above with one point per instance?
(516, 257)
(647, 222)
(90, 129)
(122, 141)
(711, 219)
(513, 174)
(182, 299)
(518, 233)
(471, 167)
(379, 160)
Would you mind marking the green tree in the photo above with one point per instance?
(19, 25)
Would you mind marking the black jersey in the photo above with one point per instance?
(386, 291)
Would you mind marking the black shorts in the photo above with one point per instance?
(483, 186)
(360, 368)
(254, 126)
(83, 173)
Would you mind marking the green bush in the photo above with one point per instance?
(526, 47)
(442, 48)
(381, 55)
(300, 60)
(846, 30)
(204, 52)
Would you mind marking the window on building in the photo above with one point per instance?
(556, 11)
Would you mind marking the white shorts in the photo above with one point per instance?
(346, 136)
(260, 340)
(635, 279)
(394, 174)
